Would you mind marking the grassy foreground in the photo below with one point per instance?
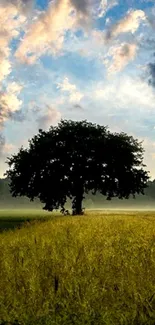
(96, 269)
(16, 218)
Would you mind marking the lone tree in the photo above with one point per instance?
(75, 158)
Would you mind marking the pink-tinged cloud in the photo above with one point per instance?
(130, 23)
(47, 33)
(11, 22)
(121, 55)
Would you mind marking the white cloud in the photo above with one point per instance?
(14, 87)
(66, 86)
(126, 93)
(5, 68)
(106, 5)
(120, 56)
(9, 101)
(75, 96)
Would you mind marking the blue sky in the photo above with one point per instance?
(83, 59)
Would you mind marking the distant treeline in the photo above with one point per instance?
(91, 201)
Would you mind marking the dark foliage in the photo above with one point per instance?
(74, 158)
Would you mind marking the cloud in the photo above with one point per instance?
(5, 68)
(106, 5)
(92, 47)
(9, 102)
(145, 42)
(151, 71)
(11, 22)
(126, 95)
(130, 23)
(47, 33)
(51, 116)
(121, 55)
(124, 104)
(78, 107)
(14, 87)
(23, 6)
(151, 17)
(82, 6)
(75, 96)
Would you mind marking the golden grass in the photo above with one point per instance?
(95, 269)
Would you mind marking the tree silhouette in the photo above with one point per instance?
(75, 158)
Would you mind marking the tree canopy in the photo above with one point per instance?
(75, 158)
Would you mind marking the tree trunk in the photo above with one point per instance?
(77, 205)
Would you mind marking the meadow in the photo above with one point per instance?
(95, 269)
(16, 218)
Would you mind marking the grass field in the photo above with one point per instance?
(11, 219)
(94, 269)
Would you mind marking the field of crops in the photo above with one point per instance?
(95, 269)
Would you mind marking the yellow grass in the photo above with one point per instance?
(95, 269)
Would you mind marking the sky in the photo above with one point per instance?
(77, 59)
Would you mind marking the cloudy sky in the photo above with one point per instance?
(77, 59)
